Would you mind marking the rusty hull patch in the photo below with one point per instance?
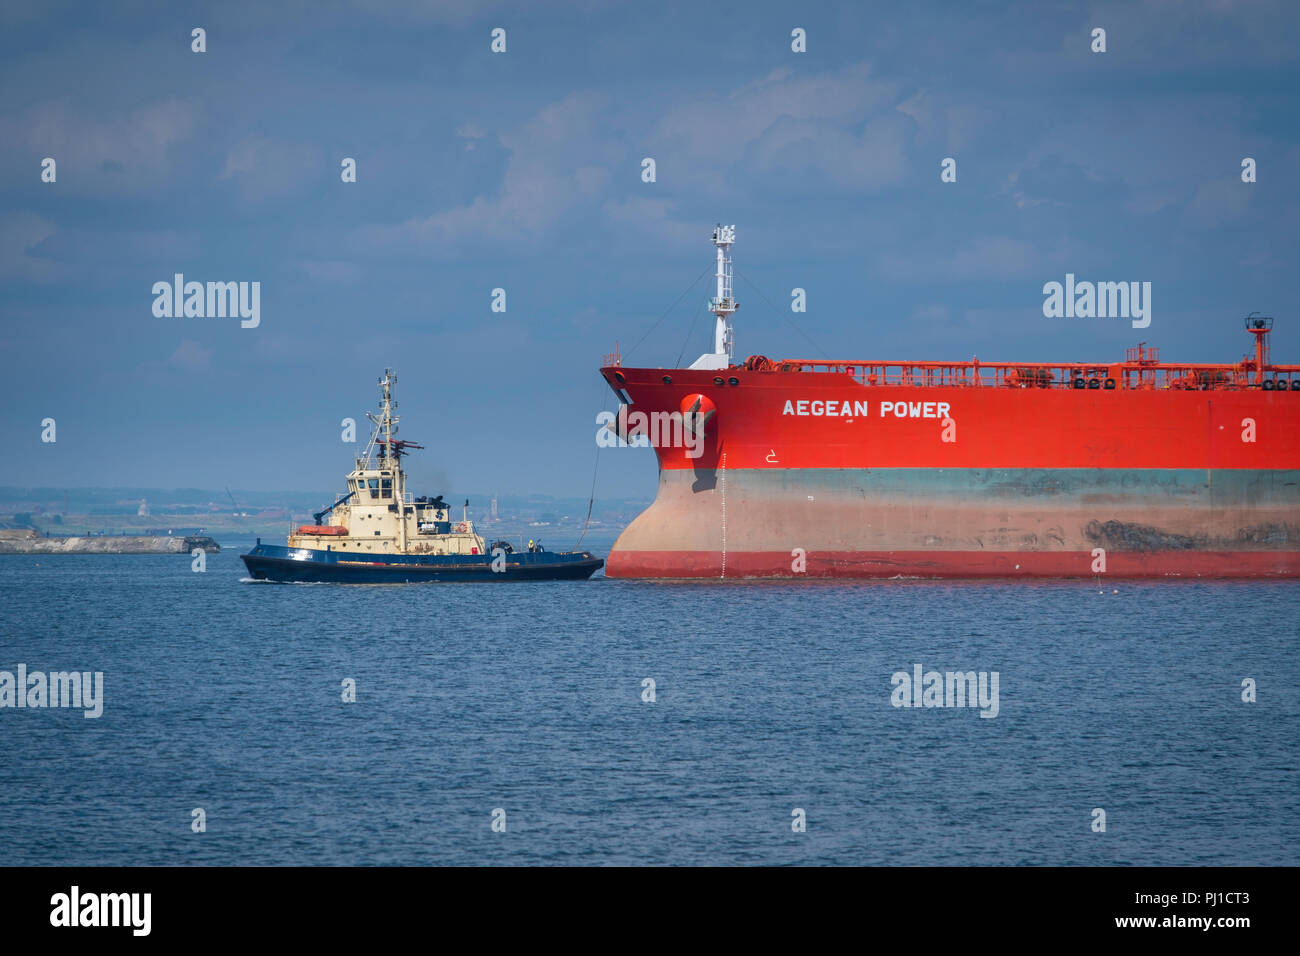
(1131, 536)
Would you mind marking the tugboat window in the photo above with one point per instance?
(386, 488)
(374, 487)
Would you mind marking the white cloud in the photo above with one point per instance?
(875, 157)
(190, 355)
(98, 152)
(950, 122)
(558, 158)
(266, 168)
(837, 127)
(653, 217)
(1219, 200)
(791, 123)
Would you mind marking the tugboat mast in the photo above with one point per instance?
(386, 423)
(390, 451)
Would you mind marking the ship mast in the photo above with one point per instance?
(385, 424)
(722, 305)
(1259, 326)
(390, 453)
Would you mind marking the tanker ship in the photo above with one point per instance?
(811, 468)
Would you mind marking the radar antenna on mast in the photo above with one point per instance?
(386, 424)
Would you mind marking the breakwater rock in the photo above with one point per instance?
(109, 544)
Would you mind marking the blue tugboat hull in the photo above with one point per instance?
(268, 562)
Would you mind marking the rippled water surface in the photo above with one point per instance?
(226, 695)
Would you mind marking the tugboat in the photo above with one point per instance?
(377, 534)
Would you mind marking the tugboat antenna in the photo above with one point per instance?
(386, 423)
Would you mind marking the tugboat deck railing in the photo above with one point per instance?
(407, 499)
(375, 464)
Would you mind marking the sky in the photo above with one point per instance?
(522, 170)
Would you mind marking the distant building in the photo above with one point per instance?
(143, 510)
(494, 508)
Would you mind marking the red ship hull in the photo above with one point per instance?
(951, 473)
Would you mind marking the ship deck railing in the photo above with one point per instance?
(407, 499)
(1124, 375)
(375, 464)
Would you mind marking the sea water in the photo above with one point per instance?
(617, 722)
